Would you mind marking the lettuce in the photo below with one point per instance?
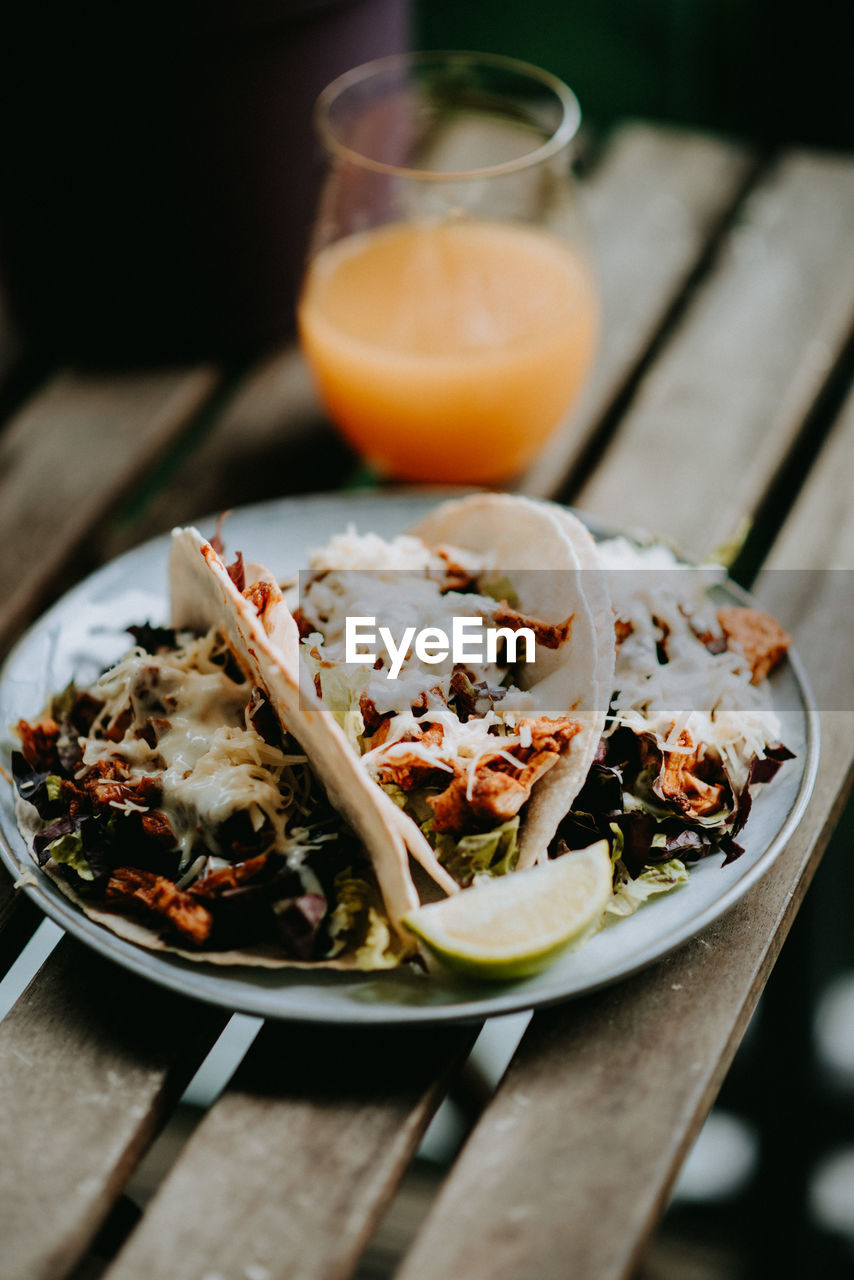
(500, 589)
(629, 893)
(341, 688)
(490, 853)
(68, 850)
(359, 923)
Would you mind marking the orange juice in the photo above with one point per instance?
(449, 351)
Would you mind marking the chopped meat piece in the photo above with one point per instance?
(119, 769)
(304, 627)
(117, 728)
(371, 717)
(622, 629)
(215, 883)
(499, 789)
(408, 769)
(113, 791)
(759, 636)
(679, 782)
(548, 734)
(456, 577)
(551, 635)
(38, 743)
(261, 595)
(130, 887)
(157, 828)
(496, 796)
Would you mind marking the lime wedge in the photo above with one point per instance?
(515, 925)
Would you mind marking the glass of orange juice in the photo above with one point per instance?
(449, 312)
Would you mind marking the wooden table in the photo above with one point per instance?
(721, 413)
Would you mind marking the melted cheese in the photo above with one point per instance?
(208, 759)
(708, 695)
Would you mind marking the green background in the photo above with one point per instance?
(776, 72)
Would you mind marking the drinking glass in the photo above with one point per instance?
(449, 312)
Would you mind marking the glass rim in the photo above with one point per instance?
(559, 139)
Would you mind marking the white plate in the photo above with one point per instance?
(83, 632)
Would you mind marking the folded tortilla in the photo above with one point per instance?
(557, 578)
(204, 600)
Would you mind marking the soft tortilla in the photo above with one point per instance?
(203, 595)
(577, 680)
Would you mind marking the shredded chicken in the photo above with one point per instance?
(216, 883)
(759, 636)
(38, 743)
(551, 635)
(496, 789)
(262, 595)
(679, 782)
(457, 577)
(408, 769)
(130, 887)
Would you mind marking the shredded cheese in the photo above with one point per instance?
(208, 759)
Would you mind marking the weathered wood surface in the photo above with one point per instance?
(286, 1176)
(273, 440)
(654, 205)
(570, 1167)
(68, 457)
(726, 399)
(91, 1061)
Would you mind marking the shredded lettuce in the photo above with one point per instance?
(359, 922)
(500, 589)
(481, 853)
(68, 849)
(341, 688)
(629, 894)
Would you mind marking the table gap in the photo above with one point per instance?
(794, 469)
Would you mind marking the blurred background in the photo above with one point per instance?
(148, 208)
(756, 68)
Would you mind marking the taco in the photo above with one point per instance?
(174, 802)
(473, 763)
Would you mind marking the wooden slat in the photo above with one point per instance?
(678, 185)
(287, 1174)
(270, 440)
(654, 204)
(572, 1163)
(726, 400)
(67, 457)
(91, 1059)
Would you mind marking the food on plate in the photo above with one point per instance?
(515, 926)
(474, 761)
(691, 730)
(173, 803)
(319, 775)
